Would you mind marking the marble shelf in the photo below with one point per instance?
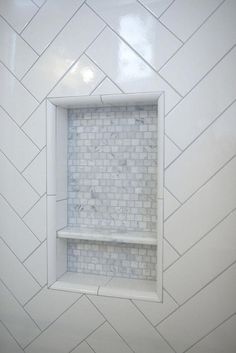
(108, 235)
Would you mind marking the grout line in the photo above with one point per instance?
(35, 3)
(134, 50)
(38, 246)
(199, 240)
(166, 8)
(42, 331)
(94, 89)
(190, 37)
(26, 167)
(21, 262)
(223, 322)
(197, 292)
(19, 303)
(34, 204)
(170, 192)
(43, 102)
(7, 329)
(177, 252)
(110, 324)
(201, 133)
(171, 298)
(202, 78)
(89, 344)
(28, 23)
(152, 325)
(174, 143)
(203, 185)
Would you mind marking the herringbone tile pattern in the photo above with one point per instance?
(185, 48)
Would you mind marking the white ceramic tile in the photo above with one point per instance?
(202, 313)
(218, 86)
(15, 233)
(169, 255)
(156, 312)
(42, 30)
(139, 29)
(13, 186)
(83, 348)
(14, 98)
(35, 173)
(131, 325)
(15, 276)
(14, 143)
(61, 214)
(18, 13)
(203, 158)
(184, 16)
(157, 7)
(222, 339)
(36, 219)
(170, 203)
(106, 87)
(58, 339)
(61, 152)
(195, 217)
(39, 2)
(7, 342)
(35, 126)
(81, 79)
(104, 338)
(14, 52)
(127, 69)
(16, 319)
(216, 252)
(37, 264)
(171, 151)
(63, 52)
(54, 304)
(203, 51)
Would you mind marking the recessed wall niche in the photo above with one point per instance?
(105, 194)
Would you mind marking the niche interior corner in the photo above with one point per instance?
(105, 165)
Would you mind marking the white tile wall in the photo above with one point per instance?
(203, 70)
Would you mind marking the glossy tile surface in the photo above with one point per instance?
(35, 173)
(36, 219)
(38, 36)
(36, 264)
(63, 53)
(139, 29)
(200, 54)
(157, 7)
(8, 344)
(35, 126)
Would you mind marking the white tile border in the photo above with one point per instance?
(99, 101)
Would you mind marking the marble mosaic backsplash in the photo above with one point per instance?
(119, 260)
(112, 161)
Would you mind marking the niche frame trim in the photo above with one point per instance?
(57, 247)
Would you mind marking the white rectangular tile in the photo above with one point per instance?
(218, 86)
(63, 52)
(169, 254)
(13, 187)
(142, 31)
(183, 17)
(104, 338)
(35, 173)
(195, 218)
(14, 98)
(216, 252)
(156, 312)
(54, 303)
(172, 151)
(203, 51)
(36, 264)
(14, 52)
(170, 203)
(14, 143)
(7, 342)
(15, 276)
(222, 339)
(61, 152)
(15, 233)
(202, 313)
(80, 80)
(61, 214)
(36, 219)
(68, 330)
(127, 69)
(157, 7)
(106, 87)
(35, 126)
(131, 325)
(83, 348)
(204, 157)
(16, 319)
(18, 13)
(42, 30)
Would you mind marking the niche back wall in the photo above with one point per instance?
(74, 47)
